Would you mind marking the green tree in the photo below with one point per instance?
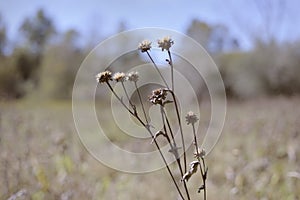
(37, 31)
(10, 87)
(27, 63)
(3, 38)
(60, 65)
(214, 38)
(200, 31)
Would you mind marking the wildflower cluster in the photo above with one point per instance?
(164, 43)
(106, 76)
(160, 97)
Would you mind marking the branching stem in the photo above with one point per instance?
(152, 136)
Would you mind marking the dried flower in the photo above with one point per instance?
(191, 118)
(144, 46)
(165, 43)
(200, 153)
(119, 77)
(158, 96)
(192, 170)
(103, 77)
(133, 76)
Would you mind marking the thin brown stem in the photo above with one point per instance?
(119, 99)
(173, 146)
(203, 169)
(168, 123)
(165, 162)
(195, 139)
(180, 127)
(172, 69)
(140, 99)
(127, 96)
(156, 67)
(152, 136)
(204, 176)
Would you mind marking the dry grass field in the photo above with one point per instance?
(257, 156)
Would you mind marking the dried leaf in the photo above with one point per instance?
(192, 170)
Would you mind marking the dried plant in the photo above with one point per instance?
(160, 97)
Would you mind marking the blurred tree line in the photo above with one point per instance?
(270, 67)
(44, 62)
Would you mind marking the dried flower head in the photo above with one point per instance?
(144, 46)
(165, 43)
(158, 96)
(200, 153)
(191, 118)
(119, 77)
(103, 77)
(133, 76)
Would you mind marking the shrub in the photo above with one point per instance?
(10, 84)
(268, 70)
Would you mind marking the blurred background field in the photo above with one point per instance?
(256, 45)
(257, 156)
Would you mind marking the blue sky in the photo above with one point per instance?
(87, 16)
